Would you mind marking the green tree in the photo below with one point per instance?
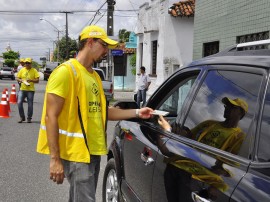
(10, 58)
(73, 48)
(132, 63)
(123, 35)
(35, 65)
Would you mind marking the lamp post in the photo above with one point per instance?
(57, 36)
(54, 42)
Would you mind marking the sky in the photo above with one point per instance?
(22, 29)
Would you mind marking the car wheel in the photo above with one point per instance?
(110, 189)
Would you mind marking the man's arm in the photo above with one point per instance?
(115, 114)
(54, 105)
(36, 80)
(18, 78)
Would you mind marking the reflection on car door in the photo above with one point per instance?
(140, 139)
(193, 170)
(258, 175)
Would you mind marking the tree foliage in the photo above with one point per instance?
(73, 48)
(123, 35)
(35, 65)
(10, 58)
(132, 63)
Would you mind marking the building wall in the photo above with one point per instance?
(174, 36)
(219, 20)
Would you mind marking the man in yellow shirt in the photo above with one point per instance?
(21, 65)
(224, 135)
(73, 123)
(27, 77)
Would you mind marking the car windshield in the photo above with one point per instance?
(7, 69)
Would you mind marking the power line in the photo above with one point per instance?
(25, 12)
(97, 12)
(100, 18)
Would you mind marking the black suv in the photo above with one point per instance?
(203, 158)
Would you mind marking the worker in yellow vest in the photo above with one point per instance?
(73, 123)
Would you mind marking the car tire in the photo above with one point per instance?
(111, 187)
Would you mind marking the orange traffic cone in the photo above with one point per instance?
(7, 100)
(13, 97)
(4, 106)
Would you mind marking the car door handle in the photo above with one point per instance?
(196, 198)
(148, 160)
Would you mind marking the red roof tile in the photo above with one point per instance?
(121, 46)
(184, 8)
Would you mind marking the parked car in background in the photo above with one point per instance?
(49, 67)
(107, 85)
(147, 163)
(7, 72)
(47, 72)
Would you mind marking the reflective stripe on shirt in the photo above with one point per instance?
(64, 132)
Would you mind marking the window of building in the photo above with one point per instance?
(210, 48)
(253, 37)
(154, 57)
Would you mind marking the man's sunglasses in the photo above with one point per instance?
(27, 62)
(105, 45)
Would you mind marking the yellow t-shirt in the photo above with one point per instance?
(212, 133)
(59, 84)
(26, 74)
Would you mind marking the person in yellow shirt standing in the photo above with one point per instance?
(75, 112)
(27, 77)
(21, 65)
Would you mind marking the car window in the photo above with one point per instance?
(174, 102)
(224, 95)
(100, 75)
(263, 149)
(7, 69)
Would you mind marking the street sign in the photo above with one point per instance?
(117, 52)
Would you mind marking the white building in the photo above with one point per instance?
(165, 38)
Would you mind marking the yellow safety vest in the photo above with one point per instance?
(71, 139)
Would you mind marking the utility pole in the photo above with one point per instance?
(58, 44)
(67, 45)
(57, 30)
(110, 10)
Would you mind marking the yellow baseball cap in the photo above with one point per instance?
(94, 31)
(22, 60)
(28, 60)
(236, 102)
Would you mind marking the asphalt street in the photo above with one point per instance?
(24, 174)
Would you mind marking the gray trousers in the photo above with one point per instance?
(83, 178)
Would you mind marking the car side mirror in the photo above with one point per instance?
(126, 105)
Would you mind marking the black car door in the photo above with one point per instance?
(255, 185)
(190, 169)
(139, 154)
(139, 143)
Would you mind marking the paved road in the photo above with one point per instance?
(23, 172)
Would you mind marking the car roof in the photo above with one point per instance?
(232, 56)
